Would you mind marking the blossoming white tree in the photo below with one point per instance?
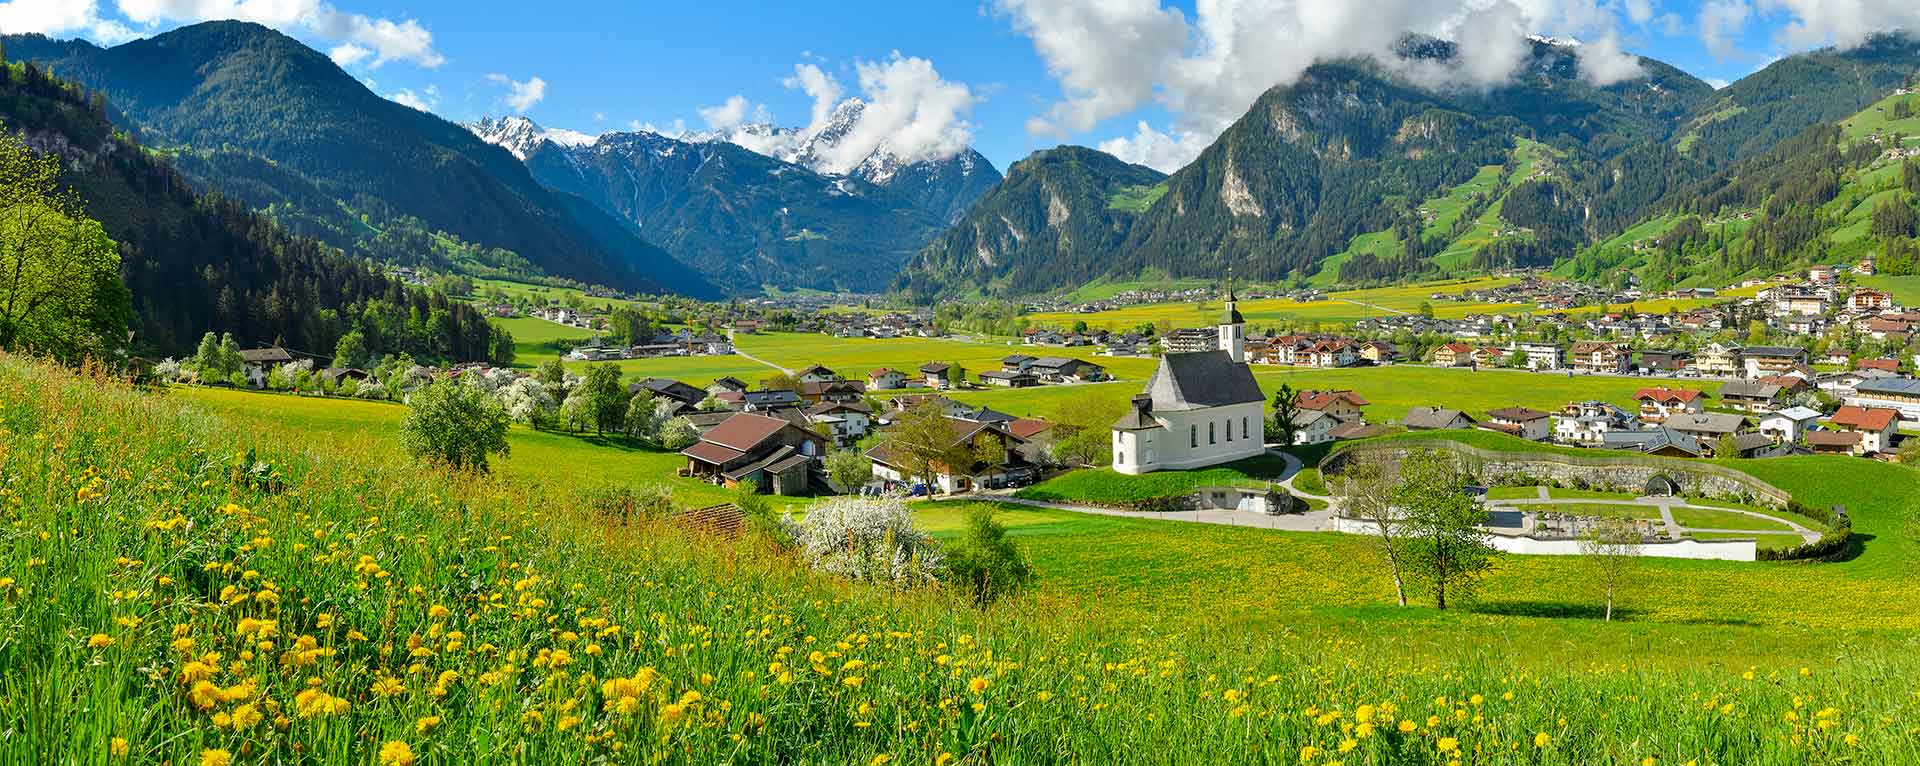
(872, 539)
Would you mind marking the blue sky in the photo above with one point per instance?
(1150, 80)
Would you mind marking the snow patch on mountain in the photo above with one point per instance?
(521, 136)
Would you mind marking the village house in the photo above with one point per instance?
(771, 399)
(1437, 419)
(935, 375)
(833, 391)
(1709, 427)
(1876, 427)
(886, 379)
(1529, 424)
(1867, 300)
(727, 383)
(1453, 355)
(1840, 385)
(763, 453)
(1658, 440)
(978, 440)
(1751, 396)
(260, 361)
(1600, 357)
(684, 396)
(816, 374)
(1017, 362)
(1718, 361)
(1763, 361)
(1056, 369)
(1199, 409)
(1586, 423)
(1789, 425)
(1337, 352)
(1006, 379)
(1541, 356)
(1378, 352)
(1883, 364)
(847, 420)
(1820, 274)
(1342, 405)
(1313, 427)
(1189, 340)
(1036, 439)
(1901, 394)
(1656, 404)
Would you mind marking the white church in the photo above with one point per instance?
(1200, 409)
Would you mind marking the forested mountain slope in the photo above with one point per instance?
(206, 263)
(279, 125)
(1055, 219)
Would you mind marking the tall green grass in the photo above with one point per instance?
(168, 595)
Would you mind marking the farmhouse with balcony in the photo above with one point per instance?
(764, 453)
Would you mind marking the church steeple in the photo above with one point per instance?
(1232, 330)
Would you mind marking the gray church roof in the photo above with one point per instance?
(1202, 379)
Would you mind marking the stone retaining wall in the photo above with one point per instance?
(1608, 473)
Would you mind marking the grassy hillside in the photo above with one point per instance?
(363, 611)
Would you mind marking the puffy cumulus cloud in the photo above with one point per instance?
(1154, 149)
(903, 108)
(732, 113)
(521, 94)
(1720, 22)
(819, 86)
(1113, 56)
(910, 112)
(60, 17)
(1845, 23)
(357, 38)
(424, 101)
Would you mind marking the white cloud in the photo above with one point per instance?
(904, 108)
(910, 112)
(1639, 11)
(357, 37)
(1720, 21)
(348, 54)
(821, 87)
(1845, 23)
(732, 113)
(1111, 57)
(58, 17)
(521, 94)
(1716, 82)
(424, 101)
(1157, 150)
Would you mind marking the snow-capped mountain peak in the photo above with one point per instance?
(520, 136)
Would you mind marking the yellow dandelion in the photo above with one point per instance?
(978, 685)
(1407, 726)
(438, 612)
(216, 758)
(880, 760)
(852, 680)
(396, 753)
(99, 641)
(1542, 740)
(1449, 744)
(118, 747)
(426, 724)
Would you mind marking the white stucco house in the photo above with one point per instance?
(1200, 409)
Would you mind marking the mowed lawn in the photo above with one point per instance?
(537, 456)
(1391, 390)
(853, 358)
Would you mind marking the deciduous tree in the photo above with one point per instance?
(1445, 545)
(454, 425)
(1612, 551)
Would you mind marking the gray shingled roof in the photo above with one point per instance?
(1202, 379)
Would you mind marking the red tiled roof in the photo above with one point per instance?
(1664, 394)
(1025, 428)
(1884, 365)
(1865, 418)
(744, 431)
(1320, 400)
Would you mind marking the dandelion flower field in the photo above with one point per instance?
(166, 596)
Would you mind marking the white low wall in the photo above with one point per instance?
(1720, 550)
